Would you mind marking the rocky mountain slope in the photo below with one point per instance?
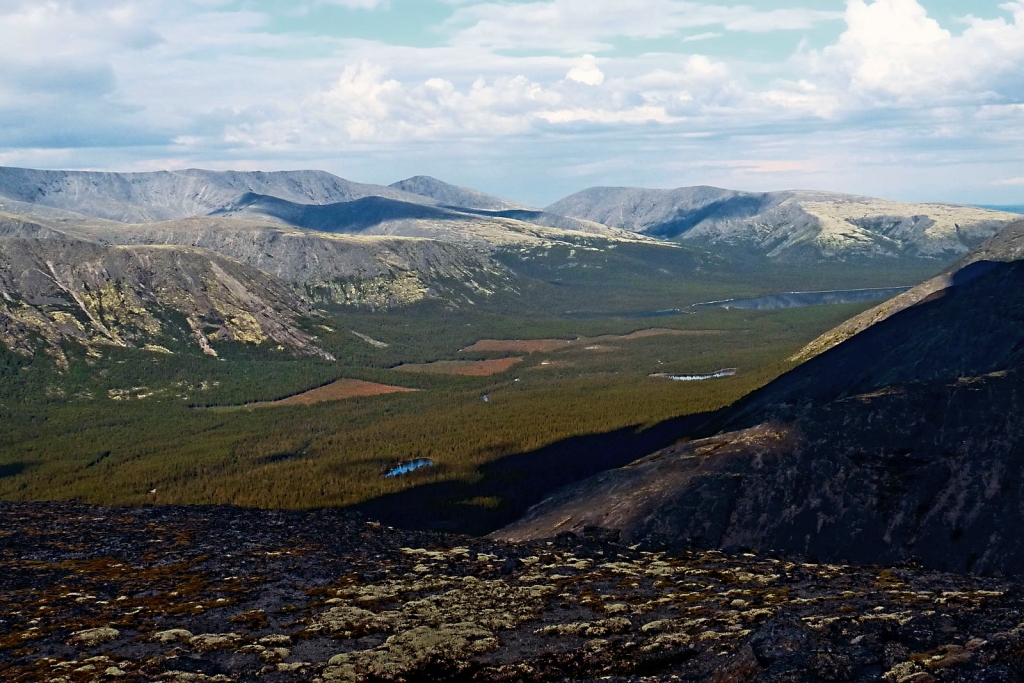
(213, 595)
(375, 271)
(905, 441)
(792, 226)
(485, 230)
(55, 287)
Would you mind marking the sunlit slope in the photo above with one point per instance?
(793, 226)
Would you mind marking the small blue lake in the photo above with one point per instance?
(407, 467)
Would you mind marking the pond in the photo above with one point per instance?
(407, 467)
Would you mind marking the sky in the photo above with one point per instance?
(916, 100)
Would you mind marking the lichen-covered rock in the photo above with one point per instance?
(94, 636)
(494, 605)
(342, 619)
(422, 650)
(207, 642)
(275, 654)
(585, 629)
(174, 635)
(480, 614)
(189, 677)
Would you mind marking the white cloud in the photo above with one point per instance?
(895, 101)
(1010, 182)
(893, 52)
(586, 71)
(578, 25)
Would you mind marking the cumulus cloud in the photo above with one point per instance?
(893, 52)
(586, 71)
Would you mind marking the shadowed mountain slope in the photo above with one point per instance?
(903, 442)
(454, 195)
(792, 226)
(1007, 245)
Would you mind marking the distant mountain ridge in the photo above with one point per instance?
(793, 226)
(168, 195)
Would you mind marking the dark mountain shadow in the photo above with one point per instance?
(509, 486)
(731, 208)
(527, 215)
(355, 216)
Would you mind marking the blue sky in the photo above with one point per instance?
(533, 99)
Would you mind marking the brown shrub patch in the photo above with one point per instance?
(337, 391)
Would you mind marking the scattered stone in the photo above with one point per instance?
(421, 651)
(214, 641)
(174, 635)
(94, 636)
(342, 598)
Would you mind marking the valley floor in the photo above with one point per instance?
(222, 594)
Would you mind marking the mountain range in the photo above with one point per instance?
(327, 240)
(791, 226)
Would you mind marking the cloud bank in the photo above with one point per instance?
(532, 99)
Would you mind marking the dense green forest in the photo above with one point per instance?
(135, 427)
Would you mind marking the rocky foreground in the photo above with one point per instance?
(222, 594)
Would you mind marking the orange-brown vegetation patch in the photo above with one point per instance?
(549, 345)
(337, 391)
(467, 368)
